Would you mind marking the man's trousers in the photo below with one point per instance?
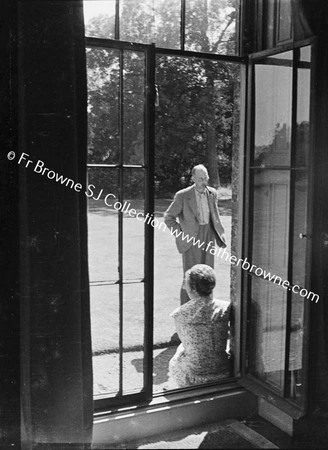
(197, 254)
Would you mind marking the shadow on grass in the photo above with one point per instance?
(160, 365)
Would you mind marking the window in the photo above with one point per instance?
(139, 155)
(197, 25)
(279, 221)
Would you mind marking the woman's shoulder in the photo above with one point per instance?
(221, 308)
(188, 311)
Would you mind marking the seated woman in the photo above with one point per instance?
(203, 327)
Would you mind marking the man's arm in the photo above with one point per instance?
(172, 212)
(218, 212)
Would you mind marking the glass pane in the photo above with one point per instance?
(268, 332)
(99, 18)
(303, 112)
(211, 26)
(137, 21)
(102, 193)
(104, 301)
(305, 54)
(103, 105)
(194, 122)
(134, 107)
(273, 111)
(271, 221)
(168, 23)
(133, 223)
(151, 21)
(133, 337)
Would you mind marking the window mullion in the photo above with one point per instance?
(117, 19)
(183, 24)
(120, 225)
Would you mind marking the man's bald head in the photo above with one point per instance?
(200, 177)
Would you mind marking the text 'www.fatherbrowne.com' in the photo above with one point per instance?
(246, 265)
(40, 168)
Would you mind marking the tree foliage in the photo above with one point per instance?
(196, 112)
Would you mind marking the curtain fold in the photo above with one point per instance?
(9, 244)
(313, 14)
(56, 360)
(301, 20)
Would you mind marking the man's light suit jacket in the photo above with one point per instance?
(184, 207)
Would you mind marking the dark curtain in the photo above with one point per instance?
(313, 13)
(9, 240)
(302, 28)
(56, 361)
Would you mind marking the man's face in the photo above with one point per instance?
(200, 178)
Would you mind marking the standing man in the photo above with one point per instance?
(198, 225)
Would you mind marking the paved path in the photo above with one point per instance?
(106, 371)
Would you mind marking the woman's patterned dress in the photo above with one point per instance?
(203, 355)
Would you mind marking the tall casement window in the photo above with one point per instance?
(164, 90)
(277, 240)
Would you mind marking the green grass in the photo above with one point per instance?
(103, 266)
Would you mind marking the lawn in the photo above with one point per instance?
(103, 266)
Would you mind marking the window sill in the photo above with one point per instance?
(173, 412)
(284, 404)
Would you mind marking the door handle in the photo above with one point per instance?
(302, 236)
(324, 237)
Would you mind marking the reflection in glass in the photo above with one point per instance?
(134, 107)
(211, 26)
(133, 227)
(102, 224)
(270, 221)
(99, 18)
(103, 105)
(104, 303)
(273, 111)
(133, 337)
(280, 218)
(268, 332)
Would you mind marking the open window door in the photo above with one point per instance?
(121, 95)
(278, 234)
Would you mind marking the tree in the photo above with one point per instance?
(195, 116)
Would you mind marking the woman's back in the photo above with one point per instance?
(203, 326)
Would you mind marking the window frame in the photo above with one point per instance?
(240, 7)
(112, 404)
(103, 401)
(254, 384)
